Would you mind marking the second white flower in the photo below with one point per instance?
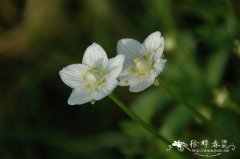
(143, 62)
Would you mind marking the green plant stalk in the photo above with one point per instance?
(144, 124)
(211, 125)
(138, 120)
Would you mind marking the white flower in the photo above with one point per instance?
(143, 62)
(95, 78)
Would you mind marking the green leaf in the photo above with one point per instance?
(176, 121)
(215, 67)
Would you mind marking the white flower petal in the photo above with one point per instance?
(78, 97)
(110, 86)
(130, 48)
(115, 66)
(95, 56)
(159, 65)
(125, 78)
(140, 84)
(123, 83)
(159, 51)
(71, 75)
(153, 42)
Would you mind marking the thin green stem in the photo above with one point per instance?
(144, 124)
(211, 125)
(138, 120)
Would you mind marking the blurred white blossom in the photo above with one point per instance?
(170, 42)
(95, 78)
(221, 96)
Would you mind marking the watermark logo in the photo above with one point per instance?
(204, 148)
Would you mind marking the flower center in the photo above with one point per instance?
(94, 79)
(142, 65)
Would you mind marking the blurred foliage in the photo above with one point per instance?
(40, 37)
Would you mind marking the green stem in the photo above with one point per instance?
(212, 126)
(138, 120)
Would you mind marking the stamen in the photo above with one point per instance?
(142, 65)
(94, 79)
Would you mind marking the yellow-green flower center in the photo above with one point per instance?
(94, 79)
(142, 65)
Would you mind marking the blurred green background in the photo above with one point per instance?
(40, 37)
